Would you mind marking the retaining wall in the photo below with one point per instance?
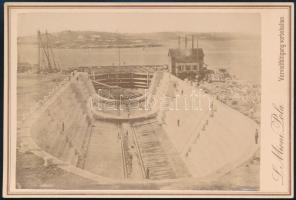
(64, 125)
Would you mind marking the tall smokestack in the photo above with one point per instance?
(197, 44)
(185, 42)
(192, 41)
(179, 42)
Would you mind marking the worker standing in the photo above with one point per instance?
(212, 105)
(256, 136)
(147, 173)
(63, 126)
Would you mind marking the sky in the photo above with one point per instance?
(29, 23)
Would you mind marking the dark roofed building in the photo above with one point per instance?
(186, 62)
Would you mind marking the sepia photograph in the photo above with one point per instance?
(130, 100)
(169, 102)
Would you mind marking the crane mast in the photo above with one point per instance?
(45, 48)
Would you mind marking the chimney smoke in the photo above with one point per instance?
(179, 42)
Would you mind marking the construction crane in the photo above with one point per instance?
(46, 58)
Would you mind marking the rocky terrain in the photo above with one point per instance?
(240, 95)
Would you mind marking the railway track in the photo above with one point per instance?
(123, 150)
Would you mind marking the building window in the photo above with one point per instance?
(179, 68)
(194, 67)
(188, 67)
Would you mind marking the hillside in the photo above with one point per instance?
(90, 39)
(94, 39)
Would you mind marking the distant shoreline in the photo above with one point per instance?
(102, 47)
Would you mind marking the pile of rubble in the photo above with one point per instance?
(240, 95)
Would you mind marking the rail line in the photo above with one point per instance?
(122, 138)
(138, 152)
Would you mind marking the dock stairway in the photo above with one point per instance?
(153, 155)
